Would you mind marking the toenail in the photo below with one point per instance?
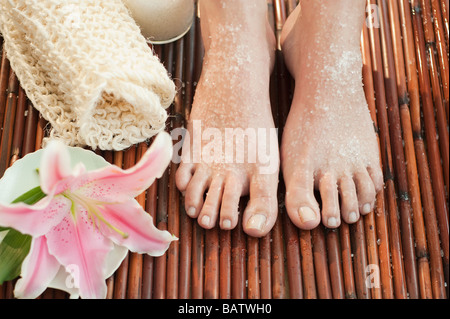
(256, 222)
(226, 223)
(307, 214)
(191, 211)
(332, 222)
(352, 217)
(367, 208)
(206, 220)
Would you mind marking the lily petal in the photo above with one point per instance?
(55, 165)
(38, 270)
(113, 184)
(114, 260)
(22, 175)
(141, 234)
(35, 220)
(82, 249)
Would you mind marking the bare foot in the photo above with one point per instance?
(232, 102)
(329, 143)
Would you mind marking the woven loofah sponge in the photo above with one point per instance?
(86, 67)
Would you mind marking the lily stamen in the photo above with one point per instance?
(94, 214)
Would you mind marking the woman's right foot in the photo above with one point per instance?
(233, 95)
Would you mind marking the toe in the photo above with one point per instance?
(301, 204)
(195, 192)
(330, 201)
(183, 176)
(349, 200)
(262, 209)
(229, 212)
(210, 211)
(365, 189)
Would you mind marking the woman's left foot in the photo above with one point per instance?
(329, 142)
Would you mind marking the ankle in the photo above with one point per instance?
(234, 20)
(228, 10)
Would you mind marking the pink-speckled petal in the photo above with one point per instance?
(79, 246)
(38, 269)
(35, 220)
(142, 235)
(113, 184)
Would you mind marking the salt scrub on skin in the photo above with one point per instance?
(162, 21)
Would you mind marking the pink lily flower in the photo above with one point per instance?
(84, 227)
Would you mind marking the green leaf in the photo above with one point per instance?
(15, 246)
(13, 250)
(31, 197)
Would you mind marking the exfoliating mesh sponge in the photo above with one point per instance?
(88, 70)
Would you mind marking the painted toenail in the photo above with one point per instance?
(367, 208)
(206, 220)
(256, 222)
(332, 222)
(191, 211)
(352, 217)
(226, 224)
(307, 214)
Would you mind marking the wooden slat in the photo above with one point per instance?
(398, 245)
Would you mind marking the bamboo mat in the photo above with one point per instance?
(398, 251)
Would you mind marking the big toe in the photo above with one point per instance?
(301, 204)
